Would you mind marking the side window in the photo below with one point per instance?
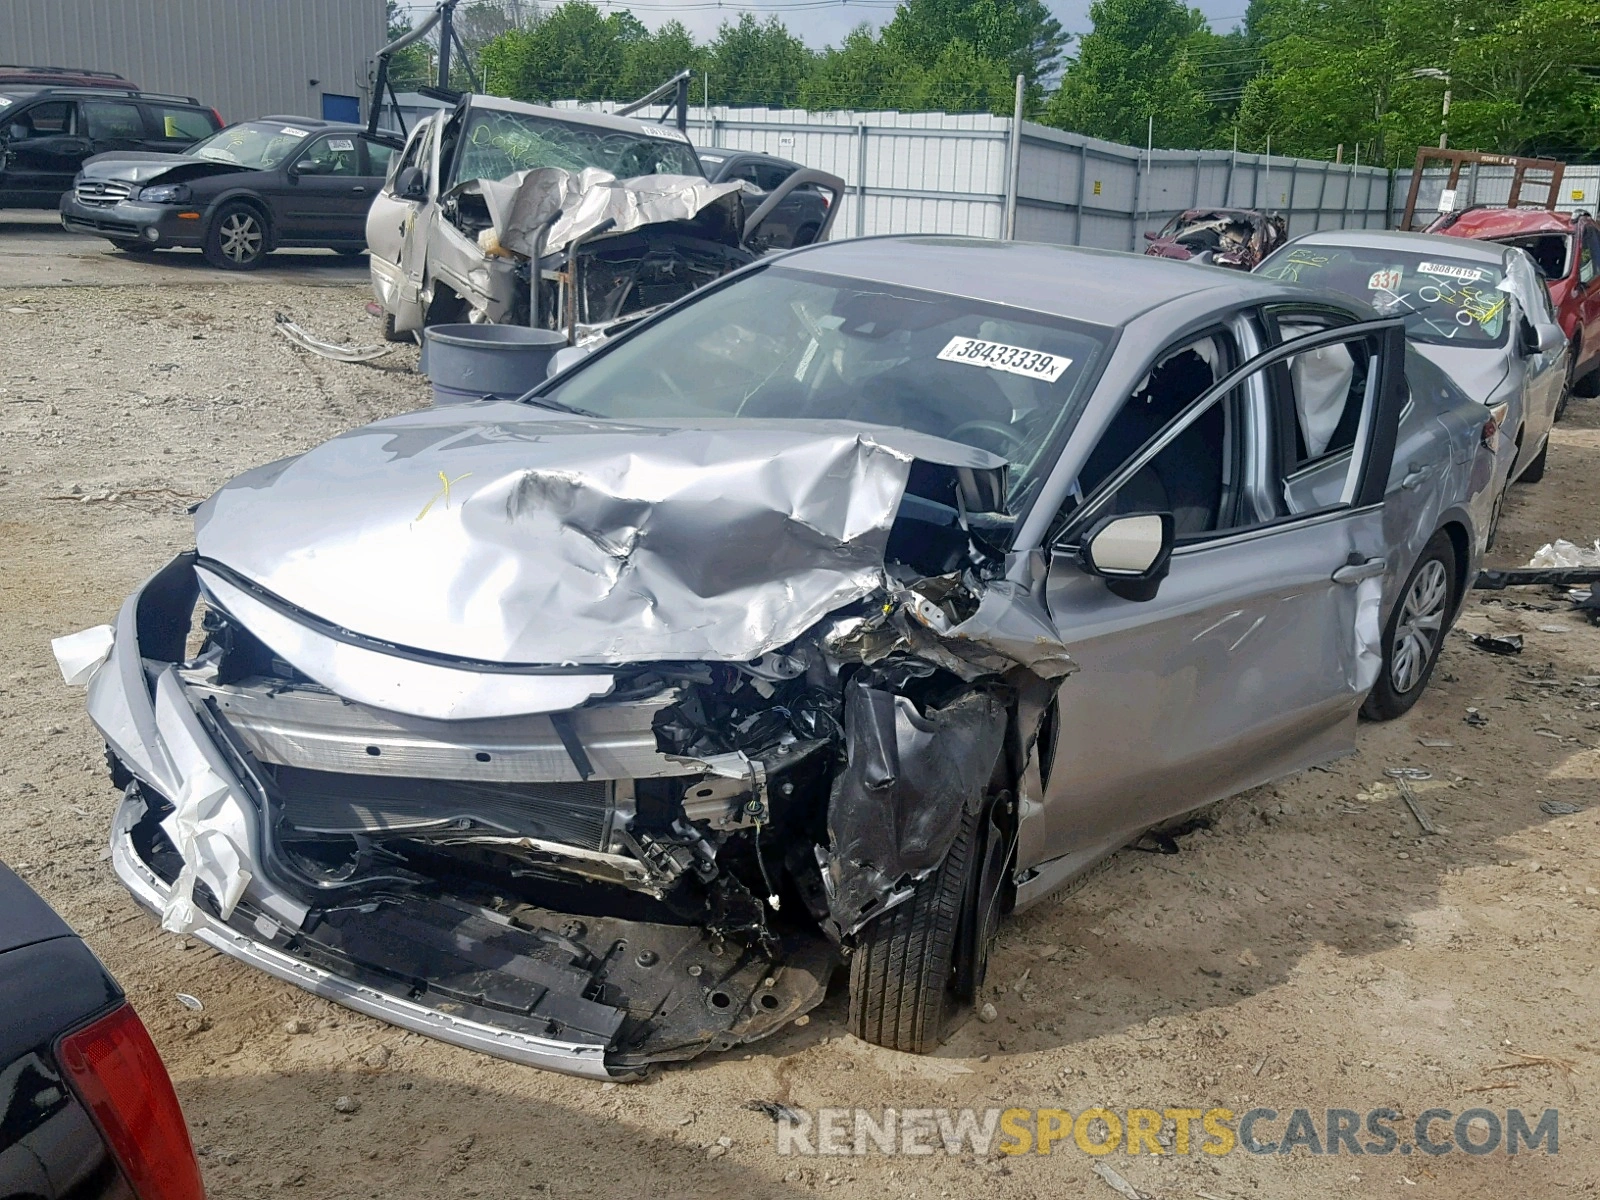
(183, 124)
(1196, 475)
(1589, 256)
(748, 171)
(379, 156)
(114, 122)
(770, 175)
(1322, 395)
(334, 155)
(53, 119)
(419, 152)
(1323, 400)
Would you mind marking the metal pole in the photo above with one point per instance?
(705, 85)
(1267, 187)
(861, 179)
(1014, 166)
(1149, 166)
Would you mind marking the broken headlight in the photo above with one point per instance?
(165, 193)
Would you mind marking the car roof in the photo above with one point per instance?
(1394, 239)
(307, 123)
(1100, 287)
(24, 917)
(580, 116)
(1507, 222)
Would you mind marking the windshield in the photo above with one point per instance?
(259, 144)
(1444, 301)
(784, 343)
(498, 144)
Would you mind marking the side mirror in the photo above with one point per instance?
(410, 185)
(1550, 338)
(565, 357)
(1150, 235)
(1130, 551)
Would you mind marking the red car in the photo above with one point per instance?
(1566, 249)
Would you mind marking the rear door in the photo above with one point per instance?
(113, 125)
(1589, 280)
(1255, 654)
(45, 145)
(173, 128)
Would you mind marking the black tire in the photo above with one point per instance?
(348, 251)
(1535, 471)
(902, 974)
(389, 334)
(137, 249)
(1410, 648)
(1571, 380)
(806, 234)
(236, 239)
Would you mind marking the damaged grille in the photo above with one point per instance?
(100, 193)
(575, 814)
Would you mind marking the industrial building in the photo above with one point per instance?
(246, 58)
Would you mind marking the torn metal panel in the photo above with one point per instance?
(563, 206)
(519, 536)
(311, 728)
(896, 806)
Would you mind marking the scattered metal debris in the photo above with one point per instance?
(1510, 643)
(1118, 1184)
(1434, 743)
(332, 350)
(189, 1001)
(1410, 798)
(774, 1110)
(1414, 773)
(1559, 808)
(1476, 718)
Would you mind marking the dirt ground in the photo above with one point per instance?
(1312, 950)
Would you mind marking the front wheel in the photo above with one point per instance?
(237, 238)
(903, 972)
(1415, 631)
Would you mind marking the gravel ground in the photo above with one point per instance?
(1311, 950)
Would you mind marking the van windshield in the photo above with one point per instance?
(497, 144)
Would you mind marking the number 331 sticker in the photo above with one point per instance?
(997, 356)
(1384, 281)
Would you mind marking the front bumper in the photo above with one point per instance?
(133, 221)
(594, 996)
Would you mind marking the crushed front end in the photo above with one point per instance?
(590, 866)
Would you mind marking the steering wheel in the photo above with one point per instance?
(1009, 437)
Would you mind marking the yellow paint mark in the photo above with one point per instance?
(442, 494)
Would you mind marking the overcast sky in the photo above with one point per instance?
(825, 22)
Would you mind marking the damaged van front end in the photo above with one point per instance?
(588, 744)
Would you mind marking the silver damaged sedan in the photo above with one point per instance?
(807, 627)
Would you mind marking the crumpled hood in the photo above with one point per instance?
(506, 533)
(136, 166)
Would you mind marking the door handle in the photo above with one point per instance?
(359, 190)
(1415, 476)
(1355, 572)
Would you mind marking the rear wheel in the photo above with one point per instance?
(389, 333)
(1415, 633)
(1535, 471)
(903, 973)
(1572, 378)
(237, 238)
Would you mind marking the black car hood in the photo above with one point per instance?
(133, 166)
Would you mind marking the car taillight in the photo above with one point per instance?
(115, 1070)
(1491, 428)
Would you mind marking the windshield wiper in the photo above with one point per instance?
(557, 406)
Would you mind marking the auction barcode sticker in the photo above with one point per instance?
(997, 356)
(1452, 271)
(337, 144)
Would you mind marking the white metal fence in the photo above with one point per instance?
(949, 173)
(1579, 190)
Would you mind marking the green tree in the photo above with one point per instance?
(650, 60)
(574, 52)
(1136, 63)
(757, 63)
(412, 67)
(1019, 37)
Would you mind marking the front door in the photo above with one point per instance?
(1257, 650)
(44, 147)
(324, 192)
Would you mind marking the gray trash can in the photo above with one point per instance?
(486, 362)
